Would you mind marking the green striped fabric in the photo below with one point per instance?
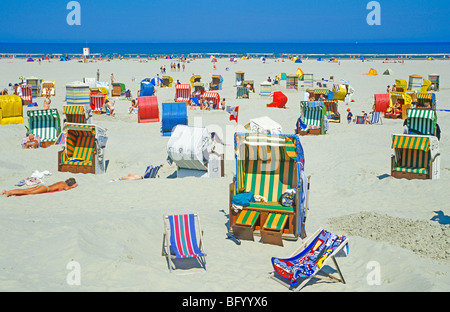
(421, 121)
(276, 221)
(411, 170)
(79, 145)
(271, 206)
(312, 116)
(247, 217)
(75, 113)
(44, 123)
(411, 160)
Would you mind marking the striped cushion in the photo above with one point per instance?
(80, 145)
(75, 114)
(275, 221)
(272, 206)
(183, 239)
(312, 116)
(411, 170)
(247, 217)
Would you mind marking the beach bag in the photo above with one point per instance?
(288, 198)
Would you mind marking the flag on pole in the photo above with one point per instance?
(234, 113)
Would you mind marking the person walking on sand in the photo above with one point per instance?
(98, 74)
(112, 79)
(40, 189)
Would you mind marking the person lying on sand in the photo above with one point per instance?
(58, 186)
(31, 142)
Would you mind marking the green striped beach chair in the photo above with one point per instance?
(268, 166)
(416, 157)
(312, 114)
(82, 152)
(45, 124)
(77, 114)
(242, 93)
(421, 121)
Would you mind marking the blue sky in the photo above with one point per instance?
(224, 21)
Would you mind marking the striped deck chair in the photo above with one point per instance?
(312, 115)
(421, 121)
(331, 107)
(360, 120)
(77, 114)
(46, 124)
(78, 155)
(151, 172)
(180, 239)
(376, 119)
(309, 260)
(182, 93)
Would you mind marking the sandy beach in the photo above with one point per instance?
(115, 230)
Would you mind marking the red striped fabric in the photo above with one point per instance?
(26, 92)
(212, 96)
(97, 101)
(182, 92)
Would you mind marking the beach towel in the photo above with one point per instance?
(243, 199)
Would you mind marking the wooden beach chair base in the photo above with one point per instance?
(245, 225)
(272, 231)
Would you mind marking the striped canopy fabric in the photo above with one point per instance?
(411, 142)
(75, 113)
(77, 94)
(265, 89)
(321, 91)
(415, 83)
(331, 107)
(44, 123)
(97, 101)
(26, 92)
(80, 145)
(308, 80)
(183, 238)
(212, 96)
(312, 116)
(182, 92)
(421, 121)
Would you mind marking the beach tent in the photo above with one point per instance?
(194, 152)
(48, 87)
(265, 125)
(147, 89)
(282, 76)
(46, 124)
(182, 93)
(148, 109)
(415, 157)
(312, 115)
(434, 78)
(84, 150)
(308, 80)
(415, 83)
(216, 82)
(431, 58)
(173, 114)
(77, 93)
(243, 58)
(388, 72)
(320, 59)
(268, 166)
(167, 81)
(118, 89)
(265, 89)
(298, 60)
(292, 82)
(36, 84)
(279, 100)
(11, 110)
(299, 72)
(64, 58)
(194, 79)
(30, 59)
(382, 102)
(372, 72)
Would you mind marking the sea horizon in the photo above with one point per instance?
(318, 49)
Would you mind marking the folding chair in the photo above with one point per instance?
(376, 118)
(359, 120)
(151, 171)
(180, 239)
(309, 259)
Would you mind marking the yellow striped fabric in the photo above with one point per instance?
(247, 217)
(411, 142)
(276, 221)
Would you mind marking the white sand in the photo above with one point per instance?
(114, 230)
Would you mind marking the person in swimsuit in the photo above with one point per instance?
(47, 101)
(31, 142)
(40, 189)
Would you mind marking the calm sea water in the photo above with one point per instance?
(268, 49)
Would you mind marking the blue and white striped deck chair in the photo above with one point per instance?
(151, 172)
(376, 119)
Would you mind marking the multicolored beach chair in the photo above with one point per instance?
(268, 166)
(77, 114)
(309, 259)
(180, 239)
(312, 115)
(46, 124)
(331, 107)
(84, 150)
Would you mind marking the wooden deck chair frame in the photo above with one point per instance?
(167, 250)
(325, 275)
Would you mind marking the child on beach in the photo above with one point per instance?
(134, 109)
(47, 102)
(349, 115)
(109, 105)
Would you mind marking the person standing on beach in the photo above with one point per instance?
(178, 65)
(98, 74)
(47, 101)
(183, 66)
(112, 79)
